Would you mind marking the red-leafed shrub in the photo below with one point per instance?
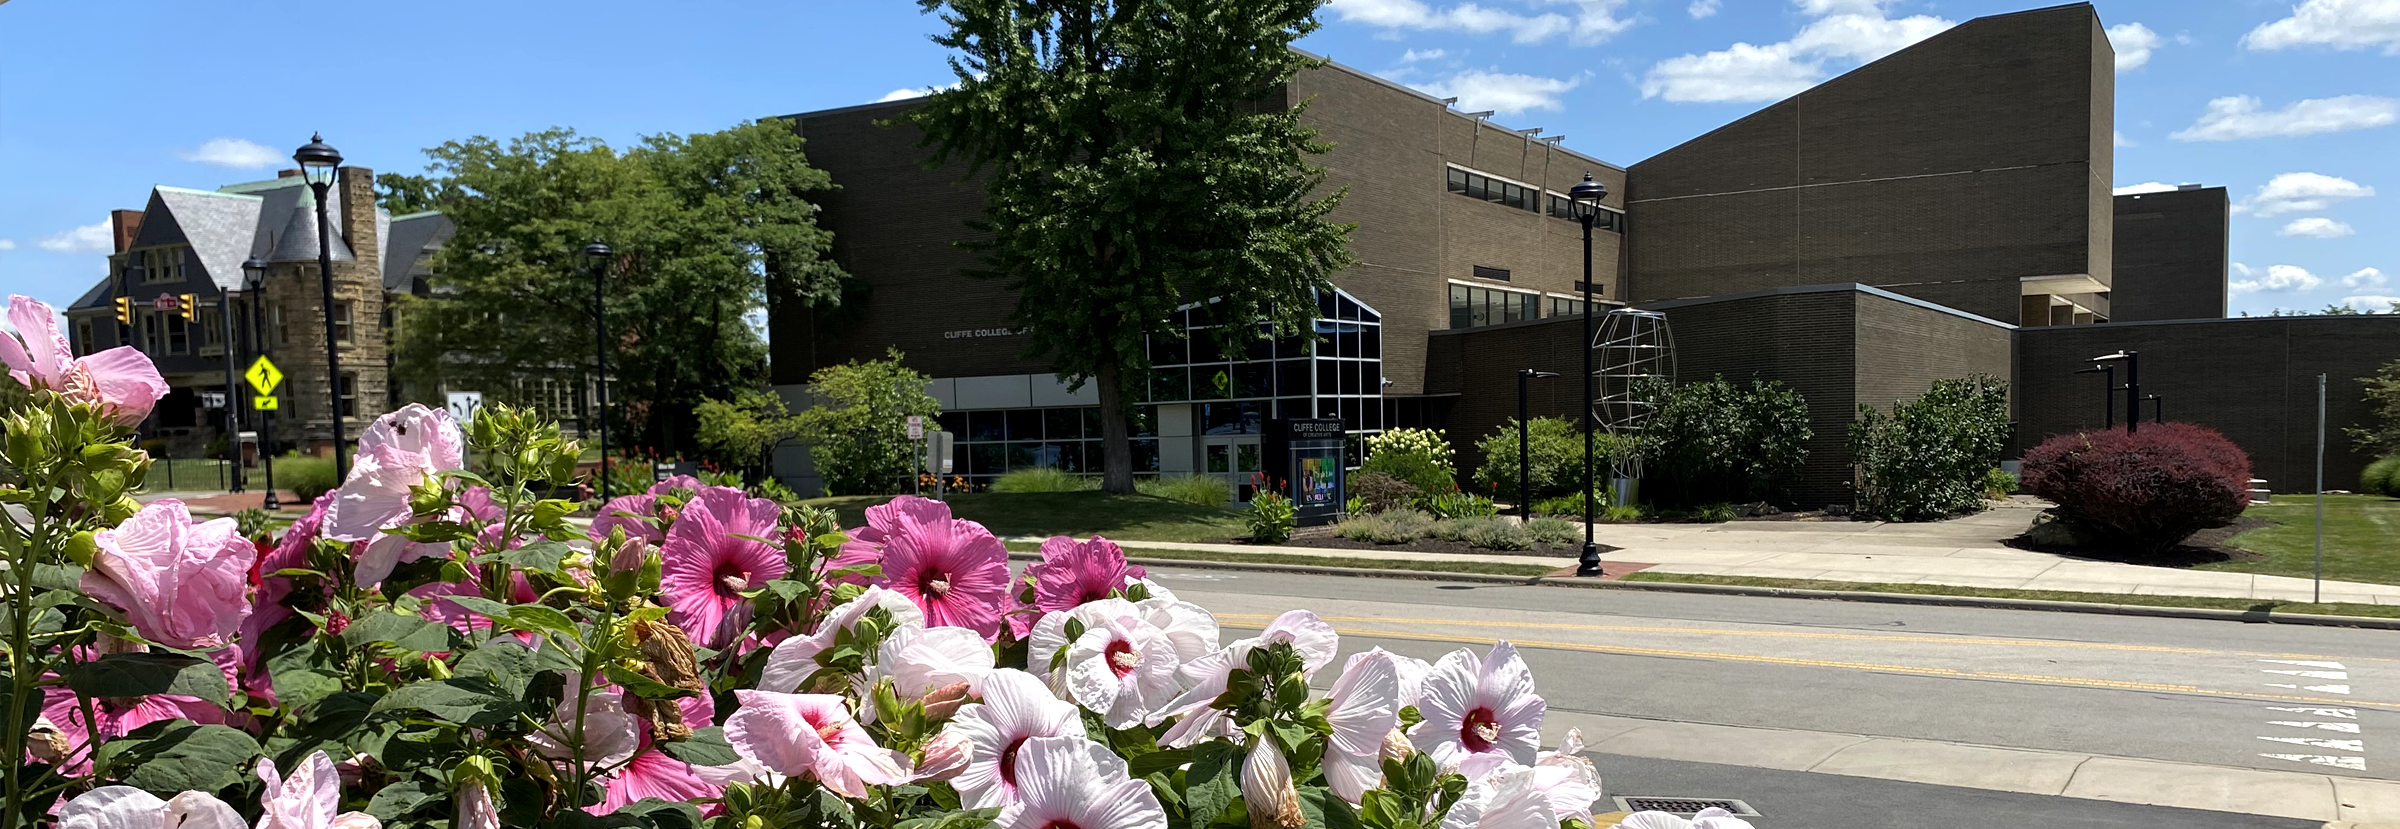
(2146, 490)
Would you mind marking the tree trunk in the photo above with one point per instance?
(1116, 445)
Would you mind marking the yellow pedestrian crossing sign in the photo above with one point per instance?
(264, 377)
(264, 403)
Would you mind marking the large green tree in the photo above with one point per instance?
(1138, 155)
(703, 227)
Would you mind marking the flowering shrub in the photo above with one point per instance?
(432, 645)
(1422, 457)
(2147, 490)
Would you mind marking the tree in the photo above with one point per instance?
(400, 194)
(858, 431)
(703, 226)
(743, 430)
(2381, 435)
(1138, 157)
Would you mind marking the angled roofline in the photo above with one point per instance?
(217, 193)
(1830, 287)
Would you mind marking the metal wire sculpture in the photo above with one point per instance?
(1635, 355)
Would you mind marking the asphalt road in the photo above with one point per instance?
(2210, 692)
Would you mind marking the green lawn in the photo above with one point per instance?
(2330, 608)
(1122, 517)
(2362, 539)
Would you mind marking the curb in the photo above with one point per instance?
(2154, 611)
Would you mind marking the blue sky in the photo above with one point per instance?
(2291, 106)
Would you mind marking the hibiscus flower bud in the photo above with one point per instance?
(1396, 746)
(475, 808)
(945, 756)
(1267, 789)
(353, 770)
(942, 702)
(336, 622)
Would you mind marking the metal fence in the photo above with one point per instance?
(189, 474)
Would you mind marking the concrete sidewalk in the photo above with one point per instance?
(1962, 552)
(2032, 771)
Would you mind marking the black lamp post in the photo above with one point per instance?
(320, 163)
(1586, 196)
(2158, 408)
(2133, 386)
(254, 280)
(595, 260)
(1525, 443)
(2108, 393)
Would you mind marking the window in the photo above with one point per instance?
(347, 393)
(1611, 219)
(1488, 272)
(212, 332)
(1474, 306)
(83, 337)
(1566, 307)
(179, 333)
(152, 340)
(162, 265)
(276, 323)
(341, 321)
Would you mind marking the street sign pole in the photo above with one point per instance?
(263, 377)
(2318, 591)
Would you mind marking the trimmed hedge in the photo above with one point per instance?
(2381, 478)
(2147, 490)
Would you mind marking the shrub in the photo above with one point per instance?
(305, 476)
(1553, 531)
(1190, 489)
(1557, 458)
(1622, 514)
(1570, 505)
(1044, 479)
(1422, 457)
(2147, 490)
(1485, 533)
(1457, 505)
(1715, 441)
(774, 490)
(1380, 492)
(1999, 483)
(1928, 459)
(858, 431)
(1270, 518)
(2381, 477)
(1398, 526)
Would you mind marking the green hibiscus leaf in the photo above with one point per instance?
(143, 674)
(545, 556)
(182, 756)
(1212, 784)
(643, 686)
(707, 747)
(461, 700)
(398, 800)
(502, 662)
(402, 631)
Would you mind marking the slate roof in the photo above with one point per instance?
(413, 234)
(276, 219)
(297, 240)
(219, 227)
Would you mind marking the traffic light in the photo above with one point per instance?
(124, 311)
(187, 305)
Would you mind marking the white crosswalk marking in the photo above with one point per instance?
(2305, 663)
(2337, 745)
(2322, 689)
(2351, 763)
(2338, 713)
(2344, 727)
(2307, 674)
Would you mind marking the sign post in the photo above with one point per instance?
(938, 458)
(263, 377)
(463, 405)
(916, 432)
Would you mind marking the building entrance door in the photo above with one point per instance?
(1236, 459)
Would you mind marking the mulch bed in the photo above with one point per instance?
(1323, 537)
(2204, 547)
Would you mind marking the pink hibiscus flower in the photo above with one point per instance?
(954, 570)
(399, 452)
(1072, 573)
(180, 584)
(290, 551)
(711, 556)
(1074, 783)
(308, 799)
(125, 807)
(120, 382)
(812, 735)
(637, 514)
(1477, 706)
(62, 726)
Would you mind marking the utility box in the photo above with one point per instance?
(1304, 462)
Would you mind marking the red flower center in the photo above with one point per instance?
(1061, 823)
(731, 579)
(1121, 657)
(1479, 732)
(934, 583)
(1008, 761)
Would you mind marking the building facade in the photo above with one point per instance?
(2171, 254)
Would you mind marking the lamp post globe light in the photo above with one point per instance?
(254, 283)
(595, 261)
(1585, 197)
(319, 163)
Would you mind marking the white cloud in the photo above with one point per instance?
(2374, 303)
(2278, 278)
(1478, 89)
(1415, 55)
(8, 244)
(2133, 42)
(2301, 193)
(915, 92)
(1820, 8)
(2316, 227)
(1703, 8)
(1594, 20)
(2239, 116)
(2364, 278)
(1749, 73)
(2123, 141)
(2341, 24)
(237, 153)
(91, 238)
(2144, 187)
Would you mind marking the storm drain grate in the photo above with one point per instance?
(1686, 806)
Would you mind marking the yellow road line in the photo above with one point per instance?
(1792, 634)
(1871, 667)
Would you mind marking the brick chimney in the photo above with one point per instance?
(123, 225)
(358, 215)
